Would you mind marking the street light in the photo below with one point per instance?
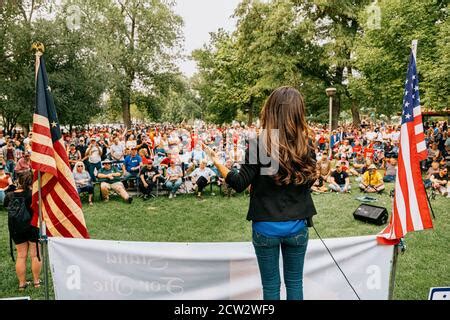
(331, 92)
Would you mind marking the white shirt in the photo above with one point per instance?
(207, 173)
(117, 151)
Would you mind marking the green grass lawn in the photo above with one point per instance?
(217, 219)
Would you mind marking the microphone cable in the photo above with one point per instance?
(332, 257)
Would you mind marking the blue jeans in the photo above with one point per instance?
(174, 186)
(92, 167)
(2, 197)
(293, 249)
(10, 165)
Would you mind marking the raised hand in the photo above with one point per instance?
(209, 151)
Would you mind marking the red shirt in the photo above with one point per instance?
(357, 149)
(4, 182)
(194, 138)
(368, 152)
(322, 139)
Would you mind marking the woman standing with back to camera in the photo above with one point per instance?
(281, 206)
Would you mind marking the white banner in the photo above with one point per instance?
(119, 270)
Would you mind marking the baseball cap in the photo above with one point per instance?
(107, 161)
(372, 166)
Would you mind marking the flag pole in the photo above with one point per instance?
(400, 246)
(414, 50)
(39, 51)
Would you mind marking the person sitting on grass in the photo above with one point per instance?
(439, 182)
(339, 180)
(391, 170)
(372, 181)
(358, 165)
(201, 178)
(324, 165)
(148, 178)
(319, 185)
(110, 177)
(174, 180)
(83, 180)
(433, 170)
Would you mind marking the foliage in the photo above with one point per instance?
(137, 43)
(382, 55)
(75, 81)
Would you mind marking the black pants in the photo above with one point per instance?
(88, 189)
(147, 191)
(202, 182)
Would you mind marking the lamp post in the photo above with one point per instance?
(331, 92)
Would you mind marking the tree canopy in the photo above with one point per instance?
(105, 56)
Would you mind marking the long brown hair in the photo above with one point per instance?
(285, 110)
(25, 180)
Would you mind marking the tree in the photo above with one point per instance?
(305, 44)
(75, 78)
(382, 55)
(137, 41)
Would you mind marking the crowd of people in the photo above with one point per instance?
(170, 157)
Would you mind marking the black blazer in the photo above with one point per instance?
(269, 201)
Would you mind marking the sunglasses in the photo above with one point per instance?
(79, 166)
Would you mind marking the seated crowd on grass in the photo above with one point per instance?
(170, 157)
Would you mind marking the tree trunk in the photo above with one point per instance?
(336, 111)
(126, 111)
(250, 112)
(354, 107)
(355, 114)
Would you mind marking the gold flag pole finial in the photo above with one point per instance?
(38, 48)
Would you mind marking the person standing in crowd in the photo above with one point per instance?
(94, 156)
(198, 155)
(117, 150)
(10, 157)
(83, 180)
(74, 155)
(281, 206)
(26, 241)
(201, 178)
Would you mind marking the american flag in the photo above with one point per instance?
(410, 209)
(61, 205)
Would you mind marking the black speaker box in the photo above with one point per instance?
(371, 214)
